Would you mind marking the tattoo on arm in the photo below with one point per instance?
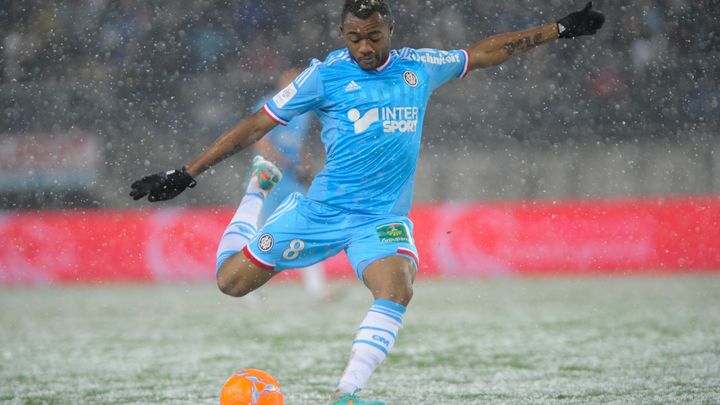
(523, 44)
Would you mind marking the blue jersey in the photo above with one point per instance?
(288, 140)
(372, 123)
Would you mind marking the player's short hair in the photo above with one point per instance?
(364, 9)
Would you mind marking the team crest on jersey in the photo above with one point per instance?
(266, 242)
(410, 78)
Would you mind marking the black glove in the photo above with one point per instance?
(162, 186)
(585, 22)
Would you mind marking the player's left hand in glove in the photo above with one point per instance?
(584, 22)
(162, 186)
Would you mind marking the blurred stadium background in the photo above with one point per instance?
(596, 156)
(146, 84)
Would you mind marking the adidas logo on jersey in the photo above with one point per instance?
(352, 86)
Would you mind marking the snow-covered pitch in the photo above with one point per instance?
(515, 341)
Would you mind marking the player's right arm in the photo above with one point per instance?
(166, 185)
(303, 94)
(242, 135)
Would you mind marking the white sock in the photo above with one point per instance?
(314, 280)
(243, 225)
(374, 340)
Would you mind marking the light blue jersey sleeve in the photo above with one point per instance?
(304, 94)
(442, 66)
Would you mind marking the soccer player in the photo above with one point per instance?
(371, 101)
(285, 146)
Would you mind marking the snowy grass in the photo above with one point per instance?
(514, 341)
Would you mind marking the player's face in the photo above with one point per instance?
(368, 40)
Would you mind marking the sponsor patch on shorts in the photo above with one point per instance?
(396, 232)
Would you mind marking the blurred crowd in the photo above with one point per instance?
(655, 63)
(171, 75)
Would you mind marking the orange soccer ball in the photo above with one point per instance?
(251, 387)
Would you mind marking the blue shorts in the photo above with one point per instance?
(302, 232)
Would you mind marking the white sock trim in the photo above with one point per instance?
(375, 338)
(242, 226)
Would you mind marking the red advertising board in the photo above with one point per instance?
(570, 237)
(615, 236)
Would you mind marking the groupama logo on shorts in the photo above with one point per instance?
(394, 119)
(393, 233)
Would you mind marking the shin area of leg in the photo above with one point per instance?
(390, 280)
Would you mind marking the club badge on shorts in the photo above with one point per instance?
(266, 242)
(410, 78)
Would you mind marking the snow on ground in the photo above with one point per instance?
(623, 340)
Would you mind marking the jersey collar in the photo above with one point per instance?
(386, 64)
(377, 69)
